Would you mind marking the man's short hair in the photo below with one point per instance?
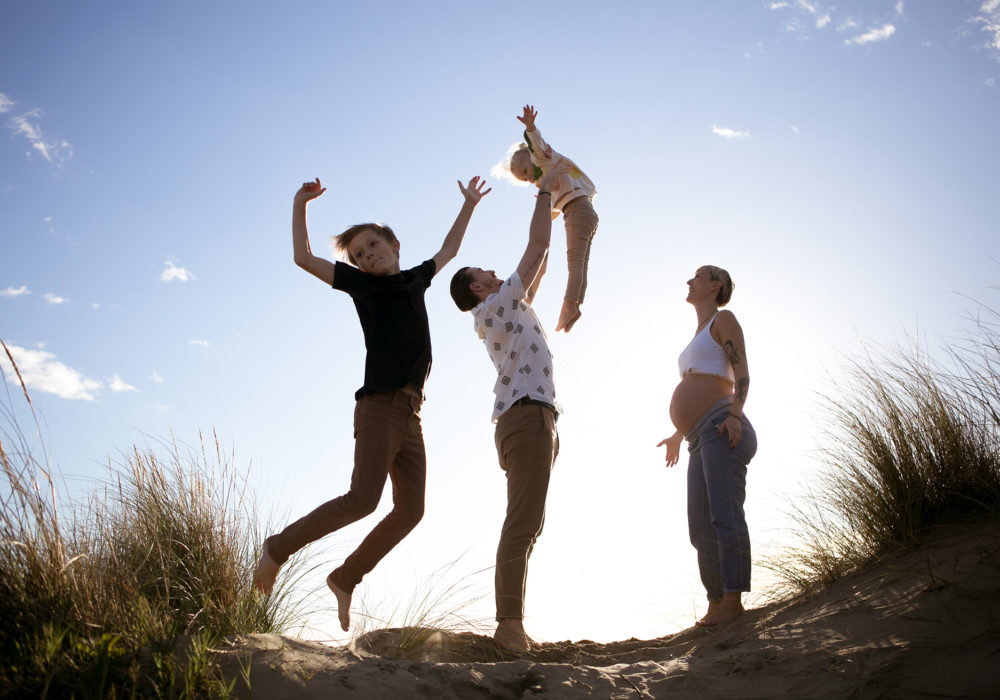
(464, 297)
(342, 242)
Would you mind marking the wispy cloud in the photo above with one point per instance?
(55, 298)
(156, 378)
(728, 133)
(26, 124)
(988, 18)
(171, 272)
(795, 129)
(899, 8)
(12, 292)
(200, 343)
(868, 37)
(118, 385)
(41, 371)
(990, 82)
(823, 21)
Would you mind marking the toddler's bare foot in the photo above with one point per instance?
(266, 572)
(511, 636)
(721, 612)
(343, 602)
(569, 315)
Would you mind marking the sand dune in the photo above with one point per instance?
(919, 624)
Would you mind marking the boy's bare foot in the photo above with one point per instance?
(343, 602)
(266, 572)
(510, 635)
(569, 315)
(721, 612)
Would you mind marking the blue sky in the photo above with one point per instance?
(839, 160)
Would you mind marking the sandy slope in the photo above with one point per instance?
(920, 624)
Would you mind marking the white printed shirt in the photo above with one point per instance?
(517, 345)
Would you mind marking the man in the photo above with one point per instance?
(524, 410)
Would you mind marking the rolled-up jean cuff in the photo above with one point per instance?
(724, 403)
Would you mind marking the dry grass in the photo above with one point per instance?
(914, 443)
(97, 595)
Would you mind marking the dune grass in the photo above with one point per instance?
(912, 443)
(123, 593)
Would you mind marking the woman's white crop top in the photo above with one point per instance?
(705, 356)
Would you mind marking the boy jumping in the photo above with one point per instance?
(388, 437)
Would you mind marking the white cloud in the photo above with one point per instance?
(55, 298)
(899, 8)
(156, 378)
(849, 23)
(12, 292)
(989, 19)
(172, 272)
(200, 343)
(95, 304)
(874, 35)
(53, 150)
(727, 133)
(823, 21)
(795, 129)
(118, 385)
(5, 103)
(777, 5)
(991, 82)
(41, 371)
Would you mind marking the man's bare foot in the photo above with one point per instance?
(343, 602)
(721, 612)
(266, 572)
(569, 315)
(510, 635)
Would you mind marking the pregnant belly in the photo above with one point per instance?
(694, 396)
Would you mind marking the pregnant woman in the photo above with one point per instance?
(707, 411)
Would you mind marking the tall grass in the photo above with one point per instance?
(97, 595)
(912, 443)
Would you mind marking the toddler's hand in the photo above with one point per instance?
(528, 118)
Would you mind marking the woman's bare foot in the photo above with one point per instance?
(343, 602)
(721, 612)
(266, 572)
(569, 315)
(511, 636)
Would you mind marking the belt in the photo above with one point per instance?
(526, 401)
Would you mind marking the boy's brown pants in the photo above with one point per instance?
(388, 441)
(527, 445)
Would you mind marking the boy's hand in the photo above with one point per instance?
(474, 191)
(528, 118)
(309, 190)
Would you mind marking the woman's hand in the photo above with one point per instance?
(734, 427)
(474, 191)
(673, 444)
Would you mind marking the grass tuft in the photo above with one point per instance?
(125, 592)
(913, 444)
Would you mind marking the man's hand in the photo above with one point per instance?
(528, 118)
(308, 191)
(673, 444)
(549, 181)
(474, 191)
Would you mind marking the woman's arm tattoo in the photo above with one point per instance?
(742, 386)
(732, 353)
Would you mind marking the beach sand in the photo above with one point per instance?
(919, 624)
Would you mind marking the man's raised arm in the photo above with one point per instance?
(304, 258)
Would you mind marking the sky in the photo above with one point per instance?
(839, 160)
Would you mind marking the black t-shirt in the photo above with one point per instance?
(394, 320)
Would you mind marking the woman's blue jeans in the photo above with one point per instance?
(717, 477)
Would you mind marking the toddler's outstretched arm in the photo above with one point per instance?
(304, 258)
(528, 117)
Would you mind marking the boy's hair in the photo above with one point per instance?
(342, 242)
(460, 292)
(717, 274)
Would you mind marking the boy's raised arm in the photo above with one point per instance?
(304, 258)
(473, 192)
